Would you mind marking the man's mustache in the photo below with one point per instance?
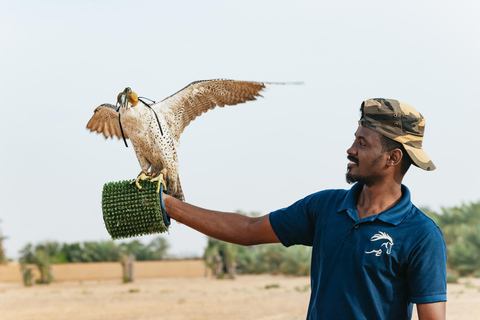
(353, 159)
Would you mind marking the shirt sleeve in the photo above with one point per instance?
(296, 223)
(427, 269)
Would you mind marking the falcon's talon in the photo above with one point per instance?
(142, 176)
(161, 180)
(152, 174)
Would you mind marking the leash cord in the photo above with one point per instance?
(156, 116)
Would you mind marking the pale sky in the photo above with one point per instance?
(59, 60)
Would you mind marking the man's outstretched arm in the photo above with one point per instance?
(225, 226)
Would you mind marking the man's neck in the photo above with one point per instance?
(378, 198)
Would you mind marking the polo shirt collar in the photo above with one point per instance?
(393, 215)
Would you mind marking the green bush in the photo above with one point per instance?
(274, 259)
(94, 251)
(461, 230)
(452, 277)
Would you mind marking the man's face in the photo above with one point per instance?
(366, 156)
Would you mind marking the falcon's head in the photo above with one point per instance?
(127, 98)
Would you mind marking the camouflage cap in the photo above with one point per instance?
(400, 122)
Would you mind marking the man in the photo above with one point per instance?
(374, 253)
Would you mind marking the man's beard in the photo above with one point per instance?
(368, 180)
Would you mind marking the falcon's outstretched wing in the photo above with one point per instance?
(105, 120)
(198, 97)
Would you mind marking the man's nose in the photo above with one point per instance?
(352, 149)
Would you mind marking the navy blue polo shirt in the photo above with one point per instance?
(373, 268)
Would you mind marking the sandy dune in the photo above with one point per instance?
(248, 297)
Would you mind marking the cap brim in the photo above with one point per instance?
(420, 158)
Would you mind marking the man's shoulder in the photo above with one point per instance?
(328, 199)
(327, 196)
(418, 216)
(420, 224)
(328, 193)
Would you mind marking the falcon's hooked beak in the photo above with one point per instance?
(126, 97)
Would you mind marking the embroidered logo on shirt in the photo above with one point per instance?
(388, 244)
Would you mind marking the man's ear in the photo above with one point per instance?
(395, 157)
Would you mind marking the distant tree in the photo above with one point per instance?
(27, 254)
(101, 251)
(275, 259)
(229, 252)
(221, 257)
(40, 255)
(226, 258)
(212, 258)
(158, 248)
(73, 252)
(92, 251)
(27, 275)
(128, 266)
(461, 230)
(155, 250)
(52, 250)
(3, 257)
(44, 264)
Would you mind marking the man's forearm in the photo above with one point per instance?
(432, 311)
(225, 226)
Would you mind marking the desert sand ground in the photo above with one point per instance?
(247, 297)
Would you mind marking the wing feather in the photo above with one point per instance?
(105, 121)
(198, 97)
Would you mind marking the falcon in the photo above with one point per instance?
(154, 129)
